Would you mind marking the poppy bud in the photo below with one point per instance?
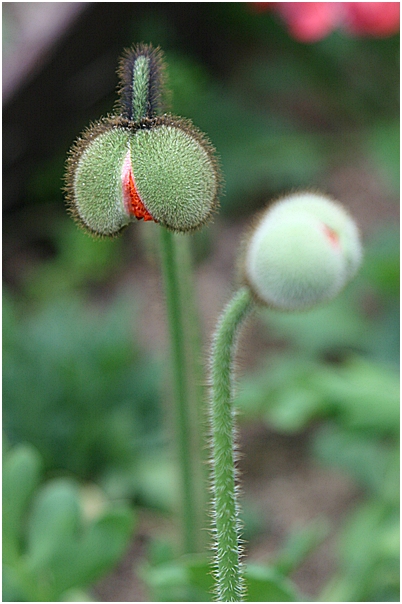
(302, 251)
(140, 165)
(162, 169)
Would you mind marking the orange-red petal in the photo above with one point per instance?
(132, 200)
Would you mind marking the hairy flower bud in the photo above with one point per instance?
(302, 251)
(139, 164)
(160, 169)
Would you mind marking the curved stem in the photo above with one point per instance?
(228, 568)
(181, 385)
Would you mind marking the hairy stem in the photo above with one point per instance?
(228, 567)
(183, 385)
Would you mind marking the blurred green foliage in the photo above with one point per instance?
(79, 387)
(56, 542)
(190, 579)
(76, 384)
(88, 401)
(284, 112)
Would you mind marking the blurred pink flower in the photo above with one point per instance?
(379, 19)
(312, 21)
(308, 21)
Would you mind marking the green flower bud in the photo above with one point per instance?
(302, 251)
(176, 174)
(162, 169)
(139, 164)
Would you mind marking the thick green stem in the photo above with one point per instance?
(197, 390)
(228, 567)
(176, 311)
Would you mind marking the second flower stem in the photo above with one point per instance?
(228, 567)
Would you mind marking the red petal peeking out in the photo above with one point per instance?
(331, 236)
(132, 201)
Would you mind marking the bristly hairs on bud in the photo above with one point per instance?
(142, 87)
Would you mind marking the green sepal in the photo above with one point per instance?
(94, 181)
(176, 173)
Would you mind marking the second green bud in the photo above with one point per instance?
(301, 252)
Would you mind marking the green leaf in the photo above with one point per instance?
(361, 534)
(62, 553)
(157, 481)
(53, 523)
(368, 460)
(299, 544)
(264, 584)
(76, 386)
(103, 544)
(381, 267)
(21, 474)
(283, 392)
(295, 407)
(191, 577)
(170, 582)
(383, 142)
(75, 595)
(367, 395)
(14, 589)
(335, 325)
(200, 571)
(369, 556)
